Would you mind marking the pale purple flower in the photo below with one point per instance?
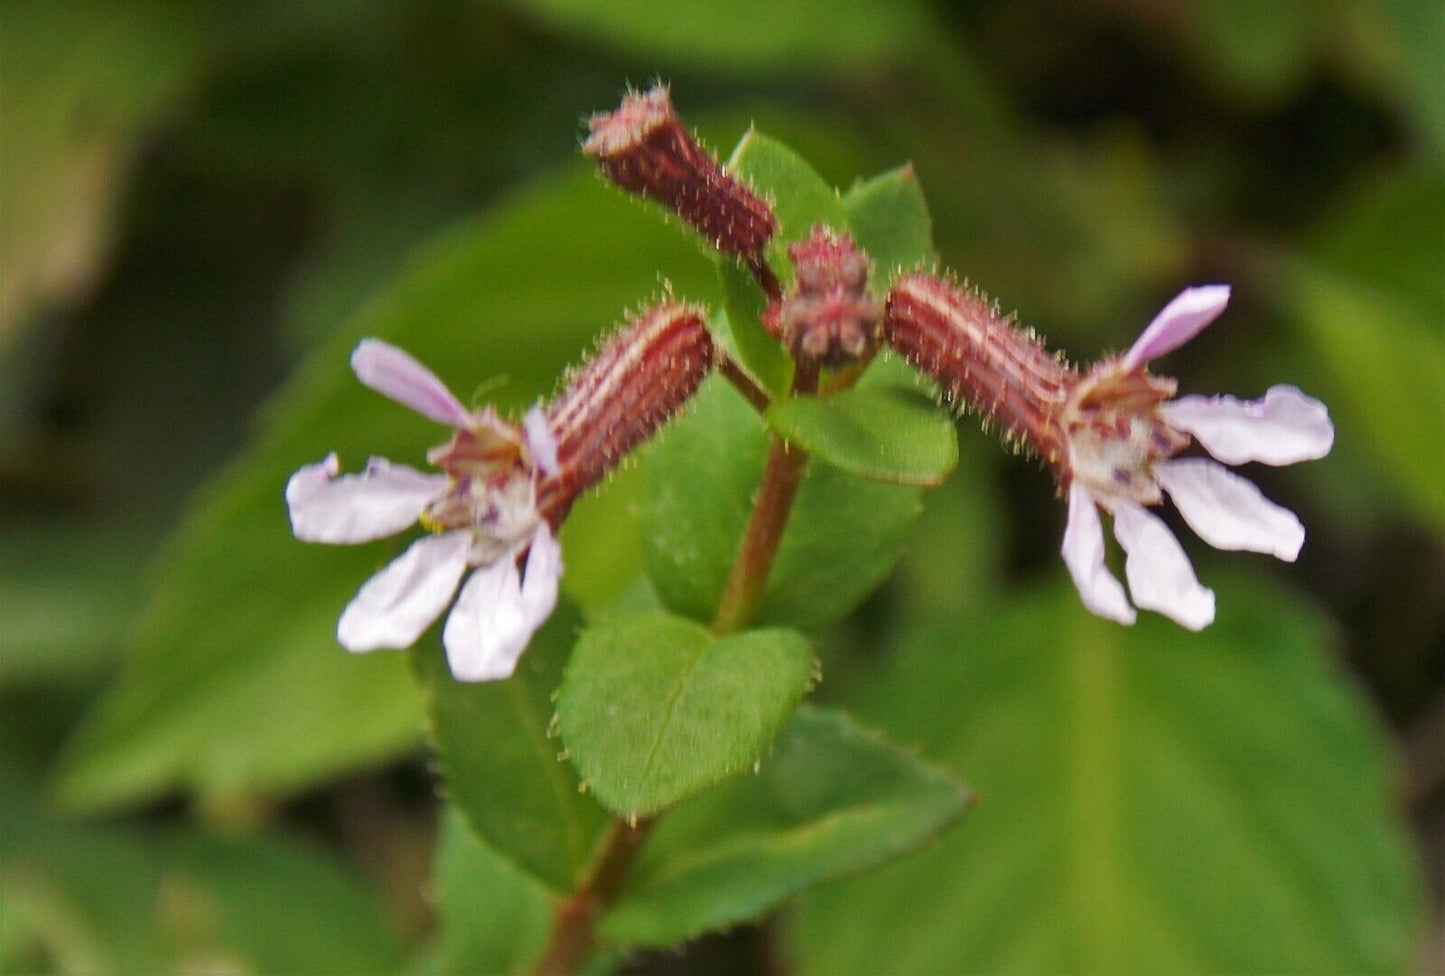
(482, 514)
(1122, 432)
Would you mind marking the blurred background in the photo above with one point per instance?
(203, 205)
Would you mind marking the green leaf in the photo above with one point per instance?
(800, 199)
(1415, 53)
(832, 799)
(98, 899)
(494, 919)
(1262, 52)
(239, 901)
(882, 434)
(889, 218)
(602, 544)
(783, 36)
(69, 892)
(1266, 52)
(1386, 396)
(501, 767)
(699, 480)
(1151, 801)
(68, 590)
(654, 708)
(1387, 234)
(739, 330)
(1371, 303)
(842, 538)
(236, 683)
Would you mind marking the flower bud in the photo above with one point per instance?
(643, 148)
(639, 378)
(982, 359)
(829, 317)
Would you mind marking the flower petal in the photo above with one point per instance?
(1083, 553)
(1178, 322)
(1228, 511)
(487, 630)
(394, 373)
(544, 570)
(309, 481)
(381, 501)
(541, 442)
(1284, 427)
(497, 612)
(399, 603)
(1160, 577)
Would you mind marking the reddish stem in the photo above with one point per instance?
(574, 929)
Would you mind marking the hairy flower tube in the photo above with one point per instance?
(502, 492)
(1113, 437)
(642, 147)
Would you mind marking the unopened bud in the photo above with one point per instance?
(983, 360)
(829, 317)
(639, 378)
(643, 148)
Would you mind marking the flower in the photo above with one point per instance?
(1112, 437)
(482, 515)
(503, 490)
(1123, 430)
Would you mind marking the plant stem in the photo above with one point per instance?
(574, 930)
(743, 383)
(782, 474)
(779, 487)
(765, 278)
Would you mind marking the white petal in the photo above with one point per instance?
(382, 501)
(1160, 577)
(394, 373)
(1083, 553)
(497, 612)
(399, 603)
(541, 442)
(1178, 322)
(1228, 511)
(1284, 427)
(487, 629)
(544, 570)
(308, 482)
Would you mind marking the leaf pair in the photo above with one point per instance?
(831, 800)
(652, 709)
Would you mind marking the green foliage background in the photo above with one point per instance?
(203, 206)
